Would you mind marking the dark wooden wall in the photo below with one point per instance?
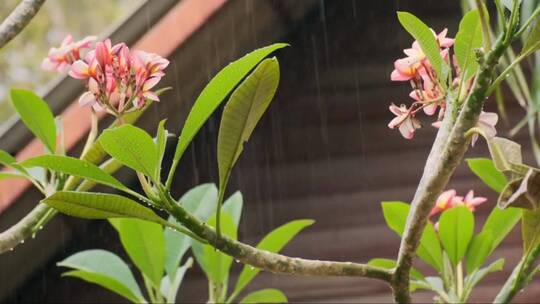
(323, 151)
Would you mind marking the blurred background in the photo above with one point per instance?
(323, 150)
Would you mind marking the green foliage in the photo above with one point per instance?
(36, 115)
(75, 167)
(99, 206)
(105, 269)
(477, 276)
(133, 147)
(425, 37)
(429, 250)
(233, 207)
(145, 244)
(500, 223)
(161, 142)
(479, 249)
(456, 228)
(468, 39)
(215, 92)
(169, 286)
(505, 153)
(486, 171)
(272, 242)
(530, 229)
(268, 295)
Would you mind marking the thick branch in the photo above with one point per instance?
(18, 19)
(273, 262)
(447, 152)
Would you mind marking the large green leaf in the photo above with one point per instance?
(477, 276)
(268, 295)
(36, 115)
(426, 38)
(215, 92)
(169, 286)
(272, 242)
(505, 153)
(479, 250)
(9, 175)
(75, 167)
(486, 171)
(99, 206)
(242, 113)
(468, 39)
(500, 223)
(145, 244)
(509, 4)
(456, 228)
(429, 250)
(105, 269)
(532, 43)
(133, 147)
(214, 263)
(233, 207)
(530, 228)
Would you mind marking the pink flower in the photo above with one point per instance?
(68, 52)
(472, 202)
(448, 199)
(443, 41)
(408, 68)
(429, 95)
(404, 120)
(486, 122)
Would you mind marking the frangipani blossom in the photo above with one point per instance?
(445, 201)
(62, 57)
(486, 123)
(118, 79)
(472, 202)
(404, 121)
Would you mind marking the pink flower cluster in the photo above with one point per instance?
(449, 199)
(118, 79)
(427, 92)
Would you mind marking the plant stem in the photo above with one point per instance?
(18, 232)
(18, 19)
(459, 280)
(519, 277)
(269, 261)
(446, 154)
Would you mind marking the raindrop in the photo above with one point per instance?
(251, 267)
(10, 249)
(40, 227)
(237, 261)
(33, 235)
(22, 241)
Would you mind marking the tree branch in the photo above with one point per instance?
(269, 261)
(18, 19)
(17, 233)
(446, 154)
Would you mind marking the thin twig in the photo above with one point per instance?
(18, 19)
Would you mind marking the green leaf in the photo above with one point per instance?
(477, 276)
(268, 295)
(272, 242)
(509, 4)
(523, 192)
(99, 206)
(169, 287)
(215, 92)
(6, 159)
(468, 39)
(530, 228)
(215, 264)
(504, 153)
(242, 113)
(426, 38)
(200, 201)
(500, 223)
(8, 175)
(429, 250)
(106, 269)
(75, 167)
(145, 244)
(456, 227)
(161, 143)
(486, 171)
(479, 250)
(133, 147)
(532, 43)
(233, 207)
(391, 264)
(36, 115)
